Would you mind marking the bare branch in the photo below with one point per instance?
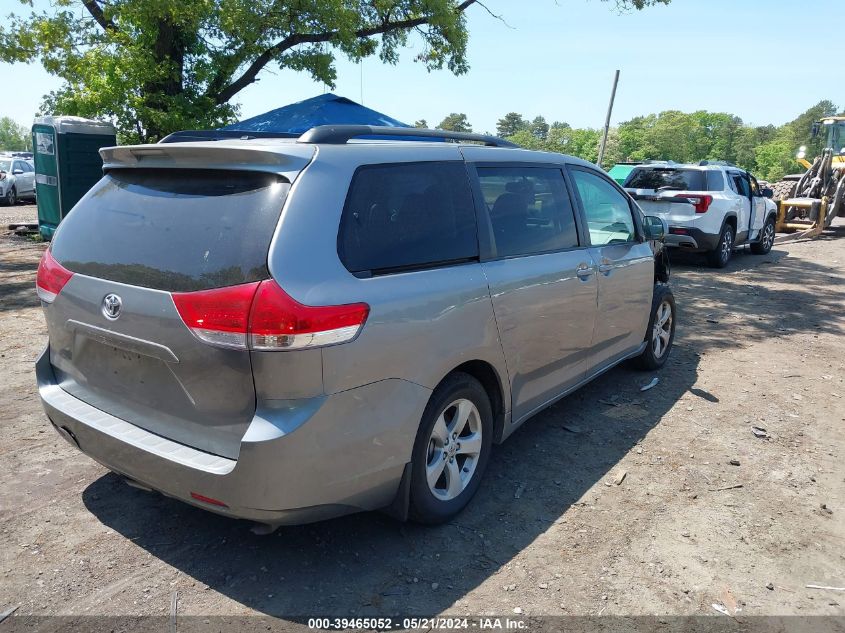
(295, 39)
(498, 16)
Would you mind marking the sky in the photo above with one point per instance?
(556, 58)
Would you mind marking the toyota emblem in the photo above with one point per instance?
(111, 306)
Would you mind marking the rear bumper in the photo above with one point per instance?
(689, 238)
(299, 461)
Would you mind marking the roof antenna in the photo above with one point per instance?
(361, 68)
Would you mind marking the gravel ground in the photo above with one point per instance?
(707, 513)
(18, 213)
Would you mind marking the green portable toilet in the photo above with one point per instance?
(620, 171)
(67, 164)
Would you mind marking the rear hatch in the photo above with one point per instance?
(672, 193)
(143, 233)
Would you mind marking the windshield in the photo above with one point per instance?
(836, 136)
(5, 165)
(666, 178)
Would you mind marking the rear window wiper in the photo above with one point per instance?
(669, 188)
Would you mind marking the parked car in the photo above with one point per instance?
(285, 330)
(17, 179)
(710, 207)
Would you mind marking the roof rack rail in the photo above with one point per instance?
(340, 134)
(187, 136)
(723, 163)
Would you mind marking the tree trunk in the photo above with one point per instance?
(169, 53)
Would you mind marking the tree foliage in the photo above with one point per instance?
(455, 122)
(156, 66)
(14, 137)
(510, 124)
(684, 137)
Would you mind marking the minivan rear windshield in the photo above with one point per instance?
(666, 178)
(173, 229)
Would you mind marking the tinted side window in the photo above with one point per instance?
(407, 215)
(740, 184)
(529, 209)
(609, 218)
(715, 181)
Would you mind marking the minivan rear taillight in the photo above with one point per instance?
(262, 316)
(701, 203)
(51, 278)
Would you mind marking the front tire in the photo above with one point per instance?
(721, 255)
(767, 239)
(11, 198)
(661, 329)
(451, 449)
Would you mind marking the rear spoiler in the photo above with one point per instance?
(286, 161)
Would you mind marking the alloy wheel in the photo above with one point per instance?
(768, 236)
(727, 245)
(662, 331)
(454, 449)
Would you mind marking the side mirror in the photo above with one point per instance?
(767, 193)
(17, 172)
(654, 227)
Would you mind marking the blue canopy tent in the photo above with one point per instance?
(298, 118)
(293, 120)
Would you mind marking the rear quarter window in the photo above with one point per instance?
(715, 181)
(405, 216)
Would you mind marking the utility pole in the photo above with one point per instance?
(607, 120)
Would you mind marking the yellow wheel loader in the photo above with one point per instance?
(808, 202)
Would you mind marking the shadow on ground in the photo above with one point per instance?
(17, 280)
(367, 564)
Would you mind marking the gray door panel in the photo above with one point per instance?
(545, 314)
(625, 282)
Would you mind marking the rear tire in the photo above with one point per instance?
(451, 449)
(721, 255)
(767, 238)
(661, 330)
(784, 189)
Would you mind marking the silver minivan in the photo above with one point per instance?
(286, 330)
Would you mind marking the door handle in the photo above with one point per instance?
(605, 267)
(583, 271)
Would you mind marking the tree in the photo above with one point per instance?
(455, 122)
(14, 137)
(422, 123)
(775, 159)
(155, 67)
(539, 127)
(510, 124)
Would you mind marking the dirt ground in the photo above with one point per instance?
(707, 513)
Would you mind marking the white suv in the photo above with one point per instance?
(710, 207)
(17, 179)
